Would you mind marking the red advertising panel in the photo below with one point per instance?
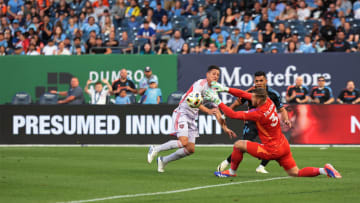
(324, 124)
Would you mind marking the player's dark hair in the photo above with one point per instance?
(260, 73)
(98, 83)
(212, 67)
(321, 77)
(260, 93)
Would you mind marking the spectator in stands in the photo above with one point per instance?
(123, 83)
(159, 12)
(303, 12)
(332, 12)
(229, 47)
(247, 25)
(262, 24)
(298, 93)
(321, 45)
(268, 35)
(150, 18)
(248, 38)
(14, 6)
(256, 13)
(247, 49)
(220, 42)
(340, 45)
(350, 95)
(202, 13)
(71, 28)
(350, 34)
(204, 25)
(2, 50)
(176, 42)
(345, 6)
(321, 94)
(189, 8)
(212, 49)
(288, 34)
(291, 48)
(185, 49)
(98, 94)
(356, 8)
(235, 35)
(59, 35)
(133, 9)
(90, 26)
(144, 83)
(32, 50)
(259, 48)
(125, 43)
(176, 10)
(240, 45)
(112, 41)
(273, 13)
(228, 19)
(217, 32)
(319, 10)
(99, 47)
(74, 95)
(118, 12)
(153, 94)
(307, 47)
(123, 98)
(280, 35)
(146, 32)
(288, 14)
(132, 23)
(145, 8)
(168, 4)
(77, 43)
(274, 50)
(50, 48)
(100, 9)
(62, 50)
(164, 49)
(107, 25)
(205, 40)
(164, 28)
(147, 50)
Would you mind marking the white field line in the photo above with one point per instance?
(175, 191)
(147, 145)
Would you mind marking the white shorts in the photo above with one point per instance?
(184, 126)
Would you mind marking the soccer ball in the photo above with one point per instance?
(194, 99)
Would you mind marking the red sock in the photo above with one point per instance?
(236, 158)
(309, 172)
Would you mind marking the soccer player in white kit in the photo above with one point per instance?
(185, 126)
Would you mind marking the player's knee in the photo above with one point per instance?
(241, 145)
(294, 172)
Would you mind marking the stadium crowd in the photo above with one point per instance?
(65, 27)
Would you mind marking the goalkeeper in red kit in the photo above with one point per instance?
(274, 144)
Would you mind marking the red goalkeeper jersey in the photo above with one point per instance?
(265, 116)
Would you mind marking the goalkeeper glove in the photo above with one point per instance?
(219, 87)
(212, 96)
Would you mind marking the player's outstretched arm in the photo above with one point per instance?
(241, 115)
(240, 93)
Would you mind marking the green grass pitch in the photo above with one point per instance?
(60, 174)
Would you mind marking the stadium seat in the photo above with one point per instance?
(48, 98)
(132, 98)
(21, 98)
(175, 97)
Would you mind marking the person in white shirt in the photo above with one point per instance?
(99, 94)
(303, 12)
(62, 50)
(50, 48)
(32, 51)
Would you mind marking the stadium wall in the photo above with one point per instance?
(39, 74)
(281, 69)
(152, 124)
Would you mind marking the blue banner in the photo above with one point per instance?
(282, 70)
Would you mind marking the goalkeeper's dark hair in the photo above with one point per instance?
(260, 73)
(260, 93)
(98, 83)
(213, 67)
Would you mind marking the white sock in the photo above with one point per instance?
(322, 171)
(232, 172)
(180, 153)
(227, 161)
(172, 144)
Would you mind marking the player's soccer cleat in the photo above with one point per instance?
(151, 154)
(161, 165)
(331, 171)
(261, 169)
(223, 174)
(222, 166)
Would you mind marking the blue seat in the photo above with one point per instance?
(21, 98)
(175, 97)
(48, 98)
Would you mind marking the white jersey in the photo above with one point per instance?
(198, 86)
